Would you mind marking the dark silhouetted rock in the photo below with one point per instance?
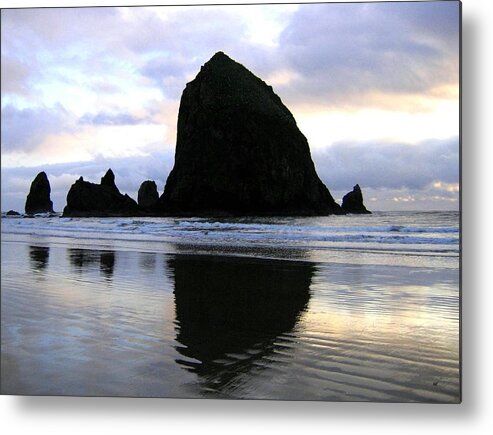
(86, 199)
(38, 200)
(239, 151)
(353, 202)
(148, 195)
(13, 213)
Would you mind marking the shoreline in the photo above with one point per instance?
(282, 253)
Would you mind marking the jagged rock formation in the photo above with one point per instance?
(148, 195)
(38, 200)
(353, 202)
(239, 151)
(13, 213)
(86, 199)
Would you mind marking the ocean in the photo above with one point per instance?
(340, 308)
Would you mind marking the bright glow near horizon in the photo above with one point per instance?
(326, 128)
(81, 85)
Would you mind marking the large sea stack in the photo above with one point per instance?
(86, 199)
(239, 151)
(353, 202)
(38, 200)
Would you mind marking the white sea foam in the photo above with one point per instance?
(431, 233)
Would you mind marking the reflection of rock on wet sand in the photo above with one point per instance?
(39, 256)
(107, 263)
(83, 259)
(234, 306)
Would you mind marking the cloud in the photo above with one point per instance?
(14, 76)
(389, 166)
(104, 118)
(53, 28)
(405, 199)
(336, 53)
(166, 45)
(169, 74)
(346, 53)
(34, 40)
(25, 129)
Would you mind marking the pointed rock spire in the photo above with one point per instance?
(38, 200)
(353, 202)
(108, 180)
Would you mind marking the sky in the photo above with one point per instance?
(373, 86)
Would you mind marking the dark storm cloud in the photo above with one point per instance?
(388, 166)
(344, 51)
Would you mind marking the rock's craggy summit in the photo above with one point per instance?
(108, 180)
(353, 202)
(86, 199)
(239, 151)
(38, 200)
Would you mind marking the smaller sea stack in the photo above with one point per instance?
(148, 195)
(353, 202)
(38, 200)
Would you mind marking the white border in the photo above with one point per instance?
(137, 416)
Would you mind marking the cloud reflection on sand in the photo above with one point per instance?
(172, 325)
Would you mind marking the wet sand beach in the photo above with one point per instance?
(77, 320)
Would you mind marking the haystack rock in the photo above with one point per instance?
(239, 151)
(86, 199)
(38, 200)
(148, 195)
(353, 202)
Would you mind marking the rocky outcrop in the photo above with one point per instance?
(353, 202)
(239, 151)
(38, 200)
(86, 199)
(13, 213)
(148, 195)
